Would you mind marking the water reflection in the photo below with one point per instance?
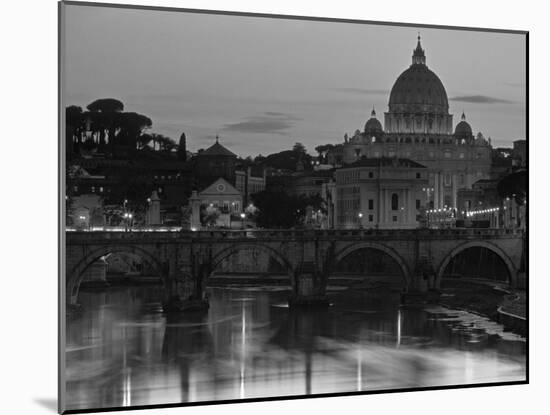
(123, 351)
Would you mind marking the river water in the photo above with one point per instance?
(122, 350)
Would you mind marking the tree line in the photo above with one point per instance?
(105, 127)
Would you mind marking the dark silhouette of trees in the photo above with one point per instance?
(514, 186)
(131, 126)
(288, 160)
(278, 209)
(74, 121)
(105, 120)
(106, 105)
(104, 127)
(182, 148)
(323, 150)
(299, 148)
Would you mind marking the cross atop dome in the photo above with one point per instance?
(373, 113)
(419, 58)
(463, 118)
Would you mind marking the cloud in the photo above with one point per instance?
(269, 122)
(364, 91)
(480, 99)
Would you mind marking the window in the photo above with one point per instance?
(100, 189)
(377, 154)
(394, 201)
(447, 154)
(461, 155)
(447, 179)
(418, 175)
(391, 153)
(371, 204)
(371, 174)
(394, 218)
(93, 189)
(431, 154)
(371, 218)
(461, 179)
(75, 188)
(418, 203)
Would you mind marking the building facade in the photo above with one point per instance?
(379, 193)
(221, 200)
(419, 127)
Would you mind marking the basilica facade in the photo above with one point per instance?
(419, 127)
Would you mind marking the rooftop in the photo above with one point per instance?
(384, 162)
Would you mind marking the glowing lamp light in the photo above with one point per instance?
(242, 215)
(360, 215)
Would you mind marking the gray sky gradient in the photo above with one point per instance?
(264, 84)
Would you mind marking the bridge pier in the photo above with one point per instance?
(308, 289)
(183, 291)
(422, 287)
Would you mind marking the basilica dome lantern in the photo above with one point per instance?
(418, 101)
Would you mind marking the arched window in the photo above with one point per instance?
(394, 201)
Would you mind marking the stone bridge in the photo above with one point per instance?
(186, 259)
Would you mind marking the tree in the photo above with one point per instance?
(132, 126)
(144, 140)
(514, 186)
(74, 121)
(299, 148)
(104, 114)
(182, 148)
(288, 160)
(106, 105)
(322, 150)
(278, 209)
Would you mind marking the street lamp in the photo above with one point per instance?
(360, 215)
(242, 219)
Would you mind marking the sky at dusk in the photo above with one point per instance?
(264, 84)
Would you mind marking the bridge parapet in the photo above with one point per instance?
(291, 234)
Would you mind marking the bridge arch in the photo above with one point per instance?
(340, 255)
(218, 258)
(75, 275)
(477, 244)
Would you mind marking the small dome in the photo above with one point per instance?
(373, 125)
(463, 128)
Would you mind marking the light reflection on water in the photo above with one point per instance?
(123, 351)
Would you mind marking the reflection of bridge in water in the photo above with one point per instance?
(185, 260)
